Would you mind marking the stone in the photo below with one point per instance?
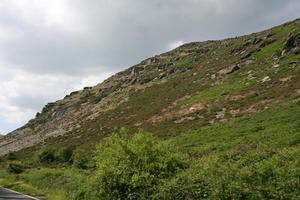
(266, 43)
(292, 42)
(229, 70)
(267, 78)
(276, 66)
(221, 114)
(256, 41)
(132, 81)
(293, 63)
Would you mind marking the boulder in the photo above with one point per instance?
(265, 79)
(293, 63)
(229, 70)
(292, 42)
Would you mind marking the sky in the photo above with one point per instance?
(50, 48)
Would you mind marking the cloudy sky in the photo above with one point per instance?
(49, 48)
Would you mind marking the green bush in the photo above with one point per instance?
(189, 184)
(81, 159)
(132, 168)
(66, 153)
(46, 155)
(11, 156)
(15, 168)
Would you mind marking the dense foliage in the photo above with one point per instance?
(14, 168)
(132, 168)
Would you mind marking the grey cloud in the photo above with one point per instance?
(121, 33)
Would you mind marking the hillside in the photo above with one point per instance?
(190, 87)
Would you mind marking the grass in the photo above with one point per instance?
(51, 184)
(269, 50)
(284, 30)
(275, 128)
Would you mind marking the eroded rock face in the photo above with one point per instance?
(57, 123)
(292, 42)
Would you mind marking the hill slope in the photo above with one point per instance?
(187, 88)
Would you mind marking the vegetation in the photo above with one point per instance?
(253, 157)
(15, 168)
(46, 155)
(66, 154)
(81, 159)
(132, 168)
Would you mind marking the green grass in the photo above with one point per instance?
(283, 30)
(269, 50)
(214, 92)
(275, 128)
(53, 184)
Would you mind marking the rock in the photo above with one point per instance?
(196, 107)
(285, 79)
(266, 43)
(145, 80)
(229, 70)
(73, 93)
(171, 71)
(162, 75)
(293, 63)
(213, 76)
(256, 41)
(133, 81)
(267, 78)
(192, 109)
(221, 114)
(234, 113)
(249, 53)
(87, 88)
(276, 66)
(292, 42)
(179, 121)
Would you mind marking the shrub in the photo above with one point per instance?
(66, 153)
(132, 168)
(11, 156)
(81, 159)
(189, 184)
(14, 168)
(46, 155)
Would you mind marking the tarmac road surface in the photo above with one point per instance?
(13, 195)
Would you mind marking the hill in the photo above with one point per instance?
(190, 87)
(224, 117)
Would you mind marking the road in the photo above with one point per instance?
(13, 195)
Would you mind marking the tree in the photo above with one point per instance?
(11, 156)
(46, 155)
(66, 153)
(132, 168)
(81, 159)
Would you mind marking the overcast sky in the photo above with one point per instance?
(49, 48)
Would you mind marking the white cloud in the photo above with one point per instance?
(175, 44)
(24, 93)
